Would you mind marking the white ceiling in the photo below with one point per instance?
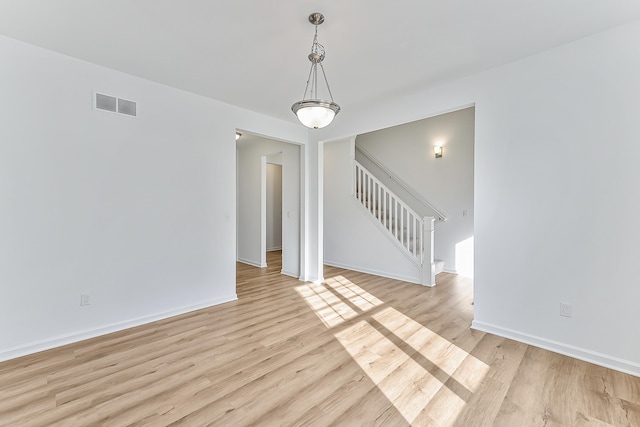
(253, 53)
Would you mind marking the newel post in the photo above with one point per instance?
(428, 266)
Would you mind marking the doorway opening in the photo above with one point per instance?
(268, 202)
(273, 205)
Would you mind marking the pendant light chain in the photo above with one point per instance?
(326, 81)
(308, 80)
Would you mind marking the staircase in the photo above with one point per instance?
(412, 234)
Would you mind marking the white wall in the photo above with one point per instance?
(351, 239)
(137, 212)
(555, 214)
(556, 182)
(274, 207)
(251, 156)
(446, 183)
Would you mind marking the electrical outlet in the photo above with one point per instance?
(565, 309)
(84, 299)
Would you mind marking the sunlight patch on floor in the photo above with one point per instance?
(330, 309)
(441, 352)
(432, 377)
(401, 379)
(354, 293)
(426, 377)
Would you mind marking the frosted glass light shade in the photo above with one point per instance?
(314, 113)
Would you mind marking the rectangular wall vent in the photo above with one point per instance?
(126, 107)
(106, 102)
(115, 105)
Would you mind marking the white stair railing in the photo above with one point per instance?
(413, 233)
(439, 215)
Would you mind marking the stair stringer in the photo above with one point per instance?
(407, 271)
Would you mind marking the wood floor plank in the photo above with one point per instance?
(355, 350)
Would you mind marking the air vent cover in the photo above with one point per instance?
(106, 102)
(126, 107)
(115, 105)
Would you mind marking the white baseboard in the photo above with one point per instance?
(277, 248)
(600, 359)
(59, 341)
(388, 275)
(286, 273)
(449, 270)
(253, 263)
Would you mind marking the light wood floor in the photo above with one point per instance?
(357, 350)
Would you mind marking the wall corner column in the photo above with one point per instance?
(313, 227)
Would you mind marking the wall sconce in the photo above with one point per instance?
(437, 150)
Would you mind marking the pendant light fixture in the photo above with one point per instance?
(315, 112)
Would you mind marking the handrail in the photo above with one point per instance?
(438, 214)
